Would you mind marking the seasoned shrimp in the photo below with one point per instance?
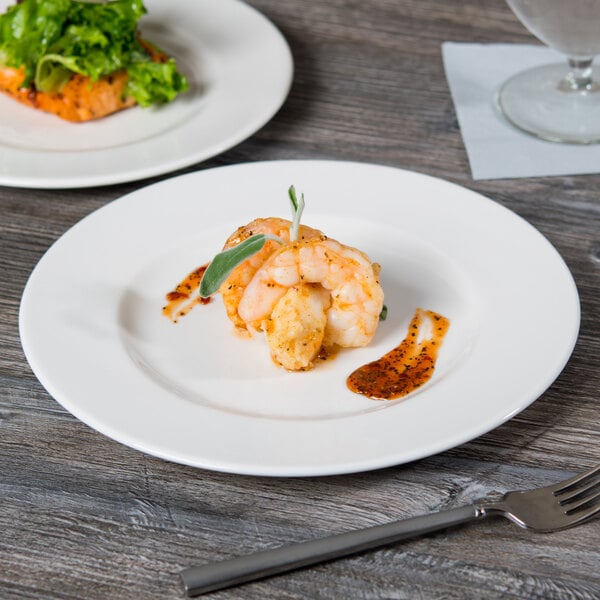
(296, 328)
(232, 289)
(347, 275)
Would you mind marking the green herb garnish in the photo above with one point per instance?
(297, 209)
(224, 263)
(383, 313)
(53, 39)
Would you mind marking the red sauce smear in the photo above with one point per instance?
(406, 367)
(185, 296)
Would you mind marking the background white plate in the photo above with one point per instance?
(194, 393)
(240, 71)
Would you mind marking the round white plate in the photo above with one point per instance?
(240, 70)
(195, 393)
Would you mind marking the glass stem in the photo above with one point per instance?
(580, 76)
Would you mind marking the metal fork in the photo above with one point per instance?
(551, 508)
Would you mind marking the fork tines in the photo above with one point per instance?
(581, 493)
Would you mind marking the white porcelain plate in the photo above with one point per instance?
(240, 70)
(195, 393)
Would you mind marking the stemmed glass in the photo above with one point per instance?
(559, 102)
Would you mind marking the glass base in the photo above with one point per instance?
(542, 102)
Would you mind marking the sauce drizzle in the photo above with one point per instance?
(406, 367)
(185, 296)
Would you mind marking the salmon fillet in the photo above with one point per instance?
(80, 99)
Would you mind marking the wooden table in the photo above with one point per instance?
(82, 516)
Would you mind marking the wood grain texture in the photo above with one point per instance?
(84, 517)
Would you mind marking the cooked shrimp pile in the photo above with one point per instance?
(309, 295)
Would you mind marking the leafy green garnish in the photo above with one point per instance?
(52, 39)
(297, 209)
(383, 313)
(222, 264)
(154, 83)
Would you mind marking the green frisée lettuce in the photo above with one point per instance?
(53, 39)
(154, 82)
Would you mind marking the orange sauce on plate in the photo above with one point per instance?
(406, 367)
(183, 298)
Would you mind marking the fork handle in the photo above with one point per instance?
(227, 573)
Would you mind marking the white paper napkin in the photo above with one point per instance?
(495, 148)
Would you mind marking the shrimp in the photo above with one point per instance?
(349, 316)
(296, 328)
(232, 289)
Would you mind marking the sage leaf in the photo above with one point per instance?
(297, 209)
(224, 263)
(293, 199)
